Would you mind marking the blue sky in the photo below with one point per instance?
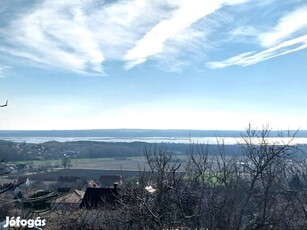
(171, 64)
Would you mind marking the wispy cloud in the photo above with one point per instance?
(79, 36)
(50, 36)
(285, 28)
(187, 13)
(288, 36)
(236, 60)
(251, 58)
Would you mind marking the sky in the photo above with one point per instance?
(153, 64)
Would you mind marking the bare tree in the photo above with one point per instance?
(264, 162)
(261, 185)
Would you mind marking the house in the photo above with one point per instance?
(100, 197)
(23, 180)
(108, 181)
(71, 200)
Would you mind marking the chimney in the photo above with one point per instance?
(115, 185)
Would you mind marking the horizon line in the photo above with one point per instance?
(149, 129)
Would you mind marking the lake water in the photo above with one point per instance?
(184, 140)
(141, 135)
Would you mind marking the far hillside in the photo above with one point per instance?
(13, 151)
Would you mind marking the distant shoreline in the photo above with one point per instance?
(149, 140)
(140, 135)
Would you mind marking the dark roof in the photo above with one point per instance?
(22, 179)
(74, 197)
(100, 197)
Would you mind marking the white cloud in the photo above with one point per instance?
(231, 61)
(51, 36)
(251, 58)
(187, 13)
(287, 26)
(80, 35)
(188, 43)
(120, 24)
(288, 36)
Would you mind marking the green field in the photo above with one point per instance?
(135, 163)
(125, 163)
(86, 174)
(118, 163)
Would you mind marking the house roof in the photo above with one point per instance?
(74, 197)
(99, 197)
(22, 179)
